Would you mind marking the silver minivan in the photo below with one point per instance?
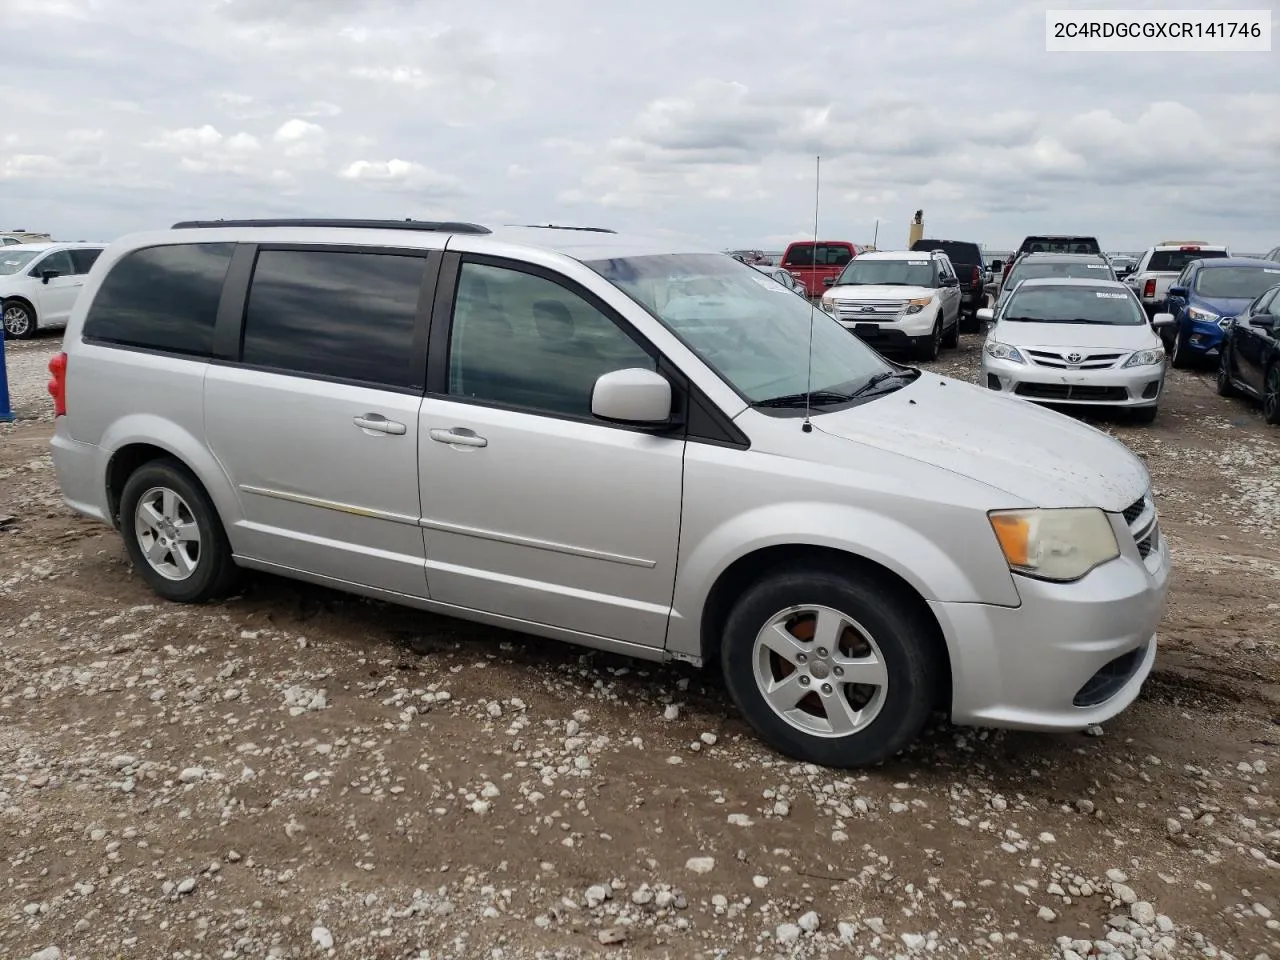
(614, 442)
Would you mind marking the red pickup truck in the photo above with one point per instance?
(813, 264)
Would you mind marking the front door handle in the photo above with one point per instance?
(459, 437)
(380, 424)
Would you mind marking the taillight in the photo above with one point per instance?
(1005, 275)
(58, 385)
(1149, 289)
(977, 276)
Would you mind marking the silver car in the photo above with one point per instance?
(1076, 342)
(612, 442)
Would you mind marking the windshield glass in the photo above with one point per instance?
(1242, 283)
(889, 273)
(1054, 304)
(1172, 261)
(1080, 271)
(1061, 245)
(14, 261)
(748, 328)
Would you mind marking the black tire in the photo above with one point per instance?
(1144, 415)
(1271, 394)
(927, 347)
(900, 628)
(212, 572)
(19, 320)
(1225, 387)
(1179, 355)
(951, 338)
(969, 322)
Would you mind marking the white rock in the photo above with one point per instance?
(700, 864)
(875, 925)
(612, 935)
(671, 713)
(1117, 876)
(322, 938)
(810, 922)
(999, 804)
(1046, 913)
(48, 953)
(709, 739)
(186, 886)
(597, 894)
(1143, 913)
(120, 762)
(1259, 766)
(480, 807)
(787, 933)
(1173, 825)
(782, 808)
(1124, 893)
(494, 709)
(759, 882)
(846, 930)
(1048, 838)
(740, 820)
(912, 941)
(192, 774)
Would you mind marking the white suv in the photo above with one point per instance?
(898, 300)
(611, 442)
(39, 283)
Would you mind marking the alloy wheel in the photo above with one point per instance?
(17, 321)
(168, 533)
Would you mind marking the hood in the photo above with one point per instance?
(876, 292)
(1036, 456)
(1087, 335)
(1222, 306)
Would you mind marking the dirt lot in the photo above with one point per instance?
(299, 773)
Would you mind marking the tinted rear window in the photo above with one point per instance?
(84, 259)
(828, 255)
(162, 298)
(1060, 245)
(959, 253)
(1174, 260)
(1079, 270)
(344, 315)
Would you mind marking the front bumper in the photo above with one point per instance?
(1112, 387)
(1203, 337)
(1073, 654)
(900, 334)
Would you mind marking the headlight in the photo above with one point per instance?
(1146, 358)
(1055, 544)
(828, 305)
(1204, 316)
(915, 306)
(1002, 351)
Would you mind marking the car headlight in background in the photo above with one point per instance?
(915, 306)
(828, 305)
(1204, 316)
(1146, 358)
(1056, 545)
(1002, 351)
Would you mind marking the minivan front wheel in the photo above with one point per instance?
(830, 668)
(172, 534)
(19, 320)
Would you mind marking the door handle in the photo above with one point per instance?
(459, 437)
(380, 424)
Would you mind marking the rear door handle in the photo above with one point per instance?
(458, 436)
(380, 424)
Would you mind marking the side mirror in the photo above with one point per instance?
(996, 265)
(986, 315)
(1177, 291)
(47, 275)
(635, 396)
(1266, 321)
(829, 281)
(1162, 320)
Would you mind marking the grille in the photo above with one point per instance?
(1134, 510)
(1108, 681)
(1071, 391)
(869, 310)
(1140, 517)
(1084, 361)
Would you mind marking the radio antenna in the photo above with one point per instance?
(807, 427)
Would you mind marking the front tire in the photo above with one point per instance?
(831, 667)
(1224, 385)
(173, 535)
(951, 339)
(1180, 355)
(928, 347)
(19, 320)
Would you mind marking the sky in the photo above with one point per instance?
(695, 121)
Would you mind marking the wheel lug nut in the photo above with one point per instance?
(801, 658)
(826, 688)
(838, 671)
(822, 651)
(804, 681)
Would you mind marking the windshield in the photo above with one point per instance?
(1061, 245)
(960, 254)
(1172, 261)
(1080, 271)
(888, 273)
(11, 263)
(1231, 283)
(748, 328)
(1055, 304)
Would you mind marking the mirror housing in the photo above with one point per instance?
(47, 275)
(1178, 292)
(986, 315)
(636, 397)
(830, 281)
(1162, 320)
(1264, 320)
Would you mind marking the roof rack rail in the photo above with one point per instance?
(406, 224)
(556, 226)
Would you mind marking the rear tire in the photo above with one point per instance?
(19, 320)
(1271, 394)
(794, 643)
(1225, 387)
(173, 535)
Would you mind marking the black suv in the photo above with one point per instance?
(967, 260)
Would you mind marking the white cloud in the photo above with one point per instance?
(296, 130)
(402, 175)
(188, 138)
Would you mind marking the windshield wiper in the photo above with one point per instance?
(816, 398)
(880, 378)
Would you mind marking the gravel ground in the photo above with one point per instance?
(299, 773)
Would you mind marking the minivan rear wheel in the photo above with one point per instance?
(173, 535)
(831, 667)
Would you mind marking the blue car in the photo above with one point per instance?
(1206, 295)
